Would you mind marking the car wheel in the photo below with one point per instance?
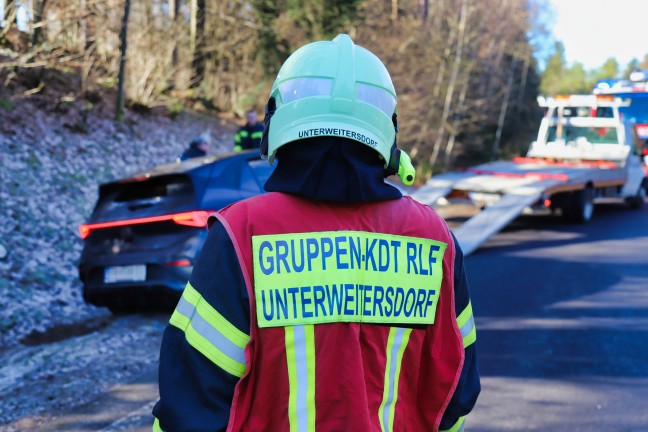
(117, 310)
(120, 306)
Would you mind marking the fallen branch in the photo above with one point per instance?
(35, 90)
(52, 61)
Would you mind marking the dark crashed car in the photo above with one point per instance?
(145, 232)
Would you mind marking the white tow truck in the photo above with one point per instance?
(585, 153)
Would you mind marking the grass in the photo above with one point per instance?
(7, 105)
(107, 82)
(176, 107)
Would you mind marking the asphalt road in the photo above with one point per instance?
(562, 321)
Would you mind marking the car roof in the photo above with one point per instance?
(188, 167)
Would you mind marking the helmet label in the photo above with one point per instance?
(346, 276)
(344, 133)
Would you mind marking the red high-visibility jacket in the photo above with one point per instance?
(337, 356)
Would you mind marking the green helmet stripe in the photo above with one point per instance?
(343, 95)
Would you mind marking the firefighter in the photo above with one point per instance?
(198, 147)
(249, 135)
(331, 303)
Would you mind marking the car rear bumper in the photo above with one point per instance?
(162, 288)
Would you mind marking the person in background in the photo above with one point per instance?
(332, 302)
(198, 147)
(249, 135)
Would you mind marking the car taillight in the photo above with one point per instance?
(84, 230)
(461, 194)
(196, 219)
(178, 263)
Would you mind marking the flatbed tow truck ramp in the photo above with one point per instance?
(585, 153)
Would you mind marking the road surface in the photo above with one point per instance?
(562, 318)
(562, 321)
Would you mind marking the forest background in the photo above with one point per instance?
(467, 72)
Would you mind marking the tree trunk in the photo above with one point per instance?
(198, 62)
(440, 76)
(451, 84)
(394, 10)
(174, 12)
(82, 26)
(193, 13)
(423, 9)
(123, 39)
(503, 109)
(525, 74)
(38, 21)
(459, 111)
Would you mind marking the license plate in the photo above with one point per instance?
(484, 197)
(133, 273)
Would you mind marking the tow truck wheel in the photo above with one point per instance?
(639, 200)
(582, 206)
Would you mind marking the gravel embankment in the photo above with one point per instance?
(49, 173)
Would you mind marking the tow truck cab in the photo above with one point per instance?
(592, 130)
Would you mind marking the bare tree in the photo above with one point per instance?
(423, 9)
(123, 39)
(10, 17)
(461, 30)
(460, 112)
(174, 13)
(198, 41)
(503, 109)
(38, 21)
(82, 26)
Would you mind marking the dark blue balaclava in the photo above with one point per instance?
(331, 169)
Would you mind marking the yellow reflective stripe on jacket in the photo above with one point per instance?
(240, 135)
(396, 344)
(466, 323)
(457, 427)
(300, 356)
(209, 332)
(257, 135)
(346, 276)
(156, 426)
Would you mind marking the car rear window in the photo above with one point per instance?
(262, 169)
(255, 175)
(154, 189)
(142, 198)
(593, 135)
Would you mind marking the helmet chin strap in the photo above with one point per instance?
(270, 109)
